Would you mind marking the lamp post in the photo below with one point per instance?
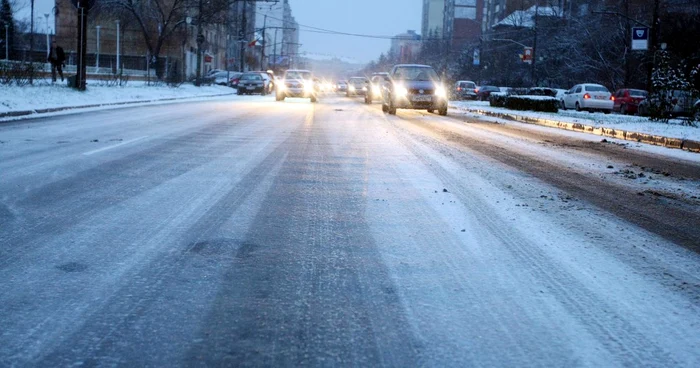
(119, 69)
(97, 59)
(7, 42)
(48, 47)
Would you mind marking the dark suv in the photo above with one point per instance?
(416, 87)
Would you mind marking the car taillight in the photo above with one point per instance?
(612, 98)
(476, 90)
(459, 88)
(586, 96)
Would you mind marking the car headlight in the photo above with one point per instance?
(352, 88)
(364, 89)
(308, 86)
(440, 92)
(375, 90)
(281, 86)
(401, 91)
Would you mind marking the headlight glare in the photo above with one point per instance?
(401, 91)
(440, 91)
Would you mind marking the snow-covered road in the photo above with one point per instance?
(241, 231)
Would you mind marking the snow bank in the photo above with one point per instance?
(26, 98)
(674, 129)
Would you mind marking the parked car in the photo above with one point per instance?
(625, 101)
(251, 82)
(588, 96)
(541, 91)
(375, 87)
(296, 83)
(268, 80)
(483, 92)
(413, 86)
(341, 86)
(465, 90)
(681, 103)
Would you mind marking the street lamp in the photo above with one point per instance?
(7, 42)
(118, 50)
(48, 50)
(97, 59)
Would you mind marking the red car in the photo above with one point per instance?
(627, 100)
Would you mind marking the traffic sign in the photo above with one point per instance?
(640, 38)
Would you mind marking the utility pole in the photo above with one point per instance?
(264, 35)
(243, 41)
(534, 47)
(200, 41)
(31, 42)
(654, 32)
(81, 75)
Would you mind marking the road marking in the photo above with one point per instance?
(114, 146)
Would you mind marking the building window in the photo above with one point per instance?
(465, 2)
(465, 13)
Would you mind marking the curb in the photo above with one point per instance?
(12, 114)
(657, 140)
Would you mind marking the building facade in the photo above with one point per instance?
(405, 47)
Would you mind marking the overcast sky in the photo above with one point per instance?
(375, 17)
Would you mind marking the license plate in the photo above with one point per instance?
(251, 88)
(600, 97)
(421, 98)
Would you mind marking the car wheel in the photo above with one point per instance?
(578, 107)
(392, 108)
(313, 99)
(443, 111)
(368, 100)
(563, 105)
(430, 111)
(623, 109)
(606, 111)
(279, 97)
(385, 108)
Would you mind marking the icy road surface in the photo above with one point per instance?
(241, 231)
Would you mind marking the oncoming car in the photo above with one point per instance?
(357, 86)
(251, 82)
(296, 83)
(416, 87)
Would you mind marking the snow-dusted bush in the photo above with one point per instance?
(534, 103)
(498, 99)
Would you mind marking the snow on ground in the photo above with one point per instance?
(26, 98)
(673, 129)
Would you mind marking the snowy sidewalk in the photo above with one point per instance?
(30, 100)
(633, 128)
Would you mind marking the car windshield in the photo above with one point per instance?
(251, 77)
(638, 93)
(410, 73)
(298, 75)
(596, 89)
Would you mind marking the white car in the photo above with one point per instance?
(590, 97)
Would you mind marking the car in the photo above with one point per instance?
(341, 86)
(376, 83)
(296, 83)
(414, 86)
(465, 90)
(268, 80)
(357, 86)
(251, 82)
(588, 96)
(541, 91)
(626, 100)
(483, 92)
(680, 104)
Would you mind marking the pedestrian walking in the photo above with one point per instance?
(57, 58)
